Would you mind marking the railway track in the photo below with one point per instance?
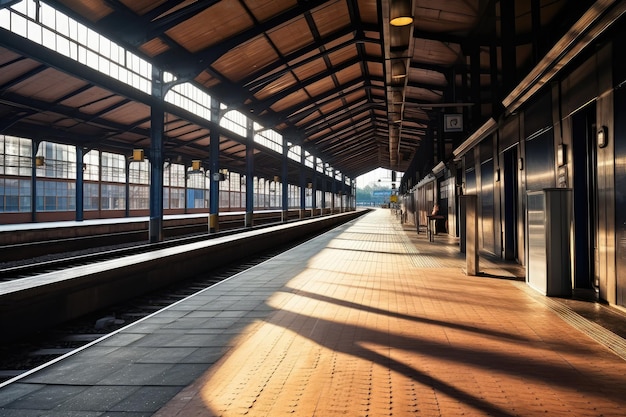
(40, 348)
(40, 328)
(38, 244)
(57, 260)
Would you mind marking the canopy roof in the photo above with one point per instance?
(326, 74)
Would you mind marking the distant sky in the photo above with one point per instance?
(373, 176)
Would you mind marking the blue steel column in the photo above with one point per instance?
(156, 157)
(314, 188)
(324, 184)
(250, 175)
(33, 181)
(344, 195)
(303, 184)
(80, 175)
(214, 166)
(186, 198)
(333, 191)
(127, 188)
(352, 195)
(285, 183)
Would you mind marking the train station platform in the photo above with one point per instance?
(369, 319)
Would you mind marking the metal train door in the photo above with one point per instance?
(585, 199)
(509, 227)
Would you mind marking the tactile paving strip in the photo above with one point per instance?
(601, 335)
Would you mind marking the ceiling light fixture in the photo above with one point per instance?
(401, 12)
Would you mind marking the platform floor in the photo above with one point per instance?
(370, 319)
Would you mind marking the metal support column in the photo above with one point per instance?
(80, 175)
(324, 185)
(250, 178)
(127, 189)
(303, 185)
(314, 188)
(33, 181)
(285, 184)
(157, 113)
(214, 167)
(343, 193)
(333, 191)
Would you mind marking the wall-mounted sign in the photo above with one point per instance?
(381, 193)
(452, 122)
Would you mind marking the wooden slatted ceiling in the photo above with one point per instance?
(207, 80)
(265, 9)
(129, 113)
(237, 63)
(188, 133)
(12, 69)
(154, 47)
(211, 26)
(432, 52)
(94, 100)
(303, 58)
(196, 137)
(291, 36)
(50, 85)
(331, 17)
(318, 88)
(107, 102)
(226, 145)
(299, 96)
(426, 76)
(280, 84)
(305, 121)
(426, 95)
(372, 49)
(172, 124)
(197, 153)
(355, 95)
(368, 10)
(457, 16)
(310, 69)
(320, 134)
(342, 55)
(7, 57)
(349, 74)
(94, 10)
(180, 6)
(141, 7)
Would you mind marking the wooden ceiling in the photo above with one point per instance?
(317, 71)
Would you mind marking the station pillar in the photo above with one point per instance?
(156, 157)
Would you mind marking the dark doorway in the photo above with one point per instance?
(510, 203)
(585, 198)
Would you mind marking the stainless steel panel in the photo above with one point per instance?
(538, 116)
(487, 205)
(549, 230)
(539, 162)
(536, 265)
(620, 194)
